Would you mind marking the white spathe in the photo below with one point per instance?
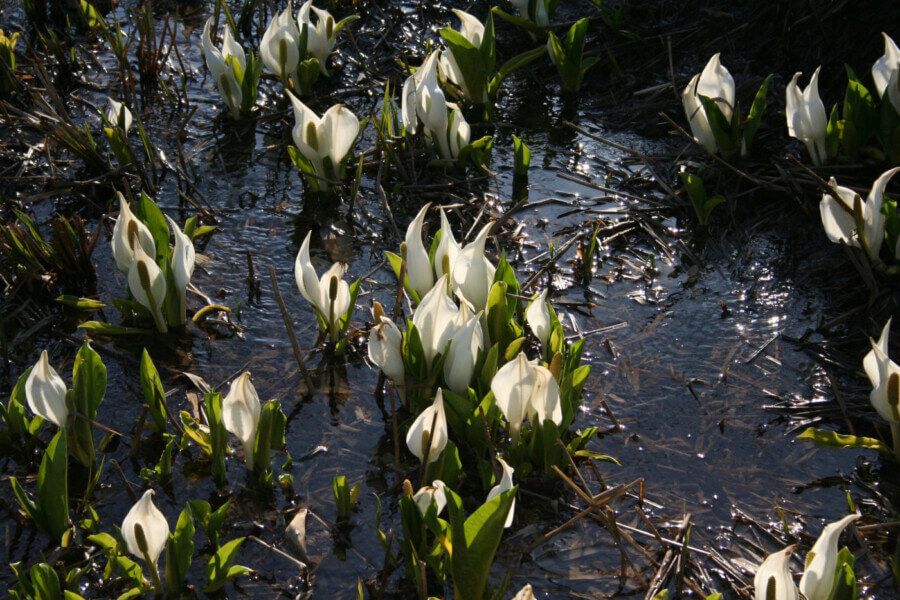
(428, 433)
(435, 318)
(45, 392)
(817, 581)
(537, 315)
(431, 493)
(148, 284)
(886, 72)
(385, 341)
(884, 375)
(418, 264)
(330, 136)
(117, 113)
(465, 344)
(183, 260)
(153, 523)
(506, 484)
(526, 390)
(321, 35)
(716, 83)
(473, 273)
(806, 117)
(279, 45)
(448, 249)
(123, 236)
(222, 72)
(317, 291)
(839, 215)
(240, 413)
(773, 580)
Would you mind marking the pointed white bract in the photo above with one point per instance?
(506, 484)
(321, 34)
(240, 413)
(465, 344)
(435, 319)
(806, 117)
(324, 141)
(385, 348)
(329, 295)
(153, 524)
(127, 229)
(45, 392)
(473, 30)
(840, 215)
(183, 259)
(817, 581)
(148, 285)
(526, 390)
(218, 61)
(428, 433)
(526, 593)
(418, 264)
(716, 83)
(537, 315)
(884, 375)
(886, 73)
(431, 493)
(118, 114)
(279, 45)
(448, 249)
(473, 273)
(773, 580)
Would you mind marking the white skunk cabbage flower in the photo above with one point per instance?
(473, 30)
(240, 413)
(716, 83)
(435, 319)
(118, 114)
(506, 484)
(218, 64)
(526, 593)
(806, 117)
(773, 580)
(418, 264)
(817, 581)
(45, 392)
(126, 228)
(428, 433)
(321, 36)
(145, 529)
(279, 45)
(458, 133)
(473, 273)
(537, 315)
(840, 218)
(148, 285)
(448, 249)
(886, 72)
(466, 342)
(329, 295)
(330, 136)
(884, 375)
(385, 346)
(431, 493)
(423, 99)
(526, 390)
(183, 259)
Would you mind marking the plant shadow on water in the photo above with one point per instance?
(688, 337)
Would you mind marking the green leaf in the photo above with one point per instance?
(844, 578)
(825, 438)
(217, 436)
(86, 304)
(269, 436)
(88, 380)
(192, 430)
(756, 112)
(148, 211)
(859, 116)
(471, 64)
(529, 26)
(154, 394)
(44, 582)
(221, 568)
(723, 131)
(516, 62)
(180, 551)
(53, 487)
(522, 155)
(110, 329)
(474, 541)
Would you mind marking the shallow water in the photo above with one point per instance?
(688, 380)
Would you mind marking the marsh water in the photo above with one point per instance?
(690, 334)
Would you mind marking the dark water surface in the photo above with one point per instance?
(685, 342)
